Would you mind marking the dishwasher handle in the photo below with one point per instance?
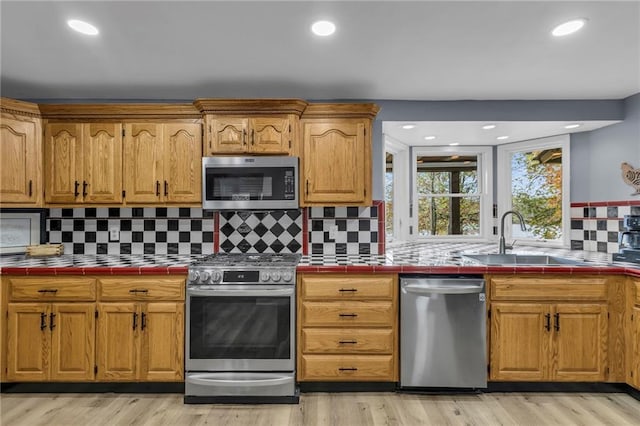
(442, 289)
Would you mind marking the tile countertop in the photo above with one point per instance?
(444, 258)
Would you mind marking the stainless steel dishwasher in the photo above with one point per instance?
(442, 332)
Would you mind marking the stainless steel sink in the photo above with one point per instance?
(520, 259)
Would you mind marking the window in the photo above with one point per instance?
(533, 179)
(450, 197)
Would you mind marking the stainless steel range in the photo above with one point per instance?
(240, 328)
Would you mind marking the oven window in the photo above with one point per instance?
(245, 183)
(240, 327)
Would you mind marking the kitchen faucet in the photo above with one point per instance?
(503, 246)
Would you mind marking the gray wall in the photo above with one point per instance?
(561, 110)
(596, 157)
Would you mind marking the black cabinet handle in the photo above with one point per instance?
(348, 342)
(43, 322)
(244, 137)
(135, 320)
(48, 290)
(84, 188)
(348, 315)
(348, 290)
(547, 325)
(157, 188)
(30, 188)
(75, 191)
(253, 140)
(557, 318)
(52, 323)
(143, 321)
(166, 188)
(347, 369)
(307, 186)
(138, 290)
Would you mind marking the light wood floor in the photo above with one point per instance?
(348, 409)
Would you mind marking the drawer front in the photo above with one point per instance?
(543, 289)
(52, 289)
(348, 314)
(637, 288)
(347, 341)
(348, 368)
(345, 287)
(147, 288)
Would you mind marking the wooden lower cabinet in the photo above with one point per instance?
(549, 342)
(51, 342)
(347, 327)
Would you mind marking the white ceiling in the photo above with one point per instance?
(472, 133)
(417, 50)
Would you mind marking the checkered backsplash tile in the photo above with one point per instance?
(356, 230)
(161, 230)
(277, 231)
(596, 228)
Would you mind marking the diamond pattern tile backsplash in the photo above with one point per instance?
(277, 231)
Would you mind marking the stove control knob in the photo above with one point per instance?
(217, 277)
(264, 276)
(204, 276)
(287, 276)
(194, 276)
(275, 276)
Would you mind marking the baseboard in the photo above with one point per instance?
(347, 386)
(80, 387)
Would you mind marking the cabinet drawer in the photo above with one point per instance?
(347, 341)
(52, 289)
(348, 314)
(548, 288)
(348, 286)
(348, 368)
(147, 288)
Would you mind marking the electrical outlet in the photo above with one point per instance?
(114, 234)
(333, 230)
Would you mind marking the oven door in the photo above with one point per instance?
(240, 328)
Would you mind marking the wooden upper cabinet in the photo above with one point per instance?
(83, 163)
(251, 126)
(162, 163)
(20, 154)
(336, 154)
(182, 162)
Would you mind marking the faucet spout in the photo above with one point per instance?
(502, 245)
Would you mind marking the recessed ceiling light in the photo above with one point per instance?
(569, 27)
(489, 126)
(429, 138)
(323, 28)
(454, 143)
(82, 27)
(501, 138)
(571, 126)
(409, 126)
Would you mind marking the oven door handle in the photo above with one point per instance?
(275, 291)
(202, 380)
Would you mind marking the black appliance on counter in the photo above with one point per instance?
(629, 240)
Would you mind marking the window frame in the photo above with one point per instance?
(485, 189)
(504, 194)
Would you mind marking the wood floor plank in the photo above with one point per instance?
(324, 409)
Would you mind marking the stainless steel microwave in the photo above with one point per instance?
(249, 183)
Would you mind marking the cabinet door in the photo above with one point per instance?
(143, 163)
(335, 162)
(117, 351)
(635, 348)
(519, 341)
(72, 327)
(579, 342)
(28, 342)
(182, 163)
(162, 349)
(269, 135)
(63, 173)
(102, 154)
(20, 165)
(228, 135)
